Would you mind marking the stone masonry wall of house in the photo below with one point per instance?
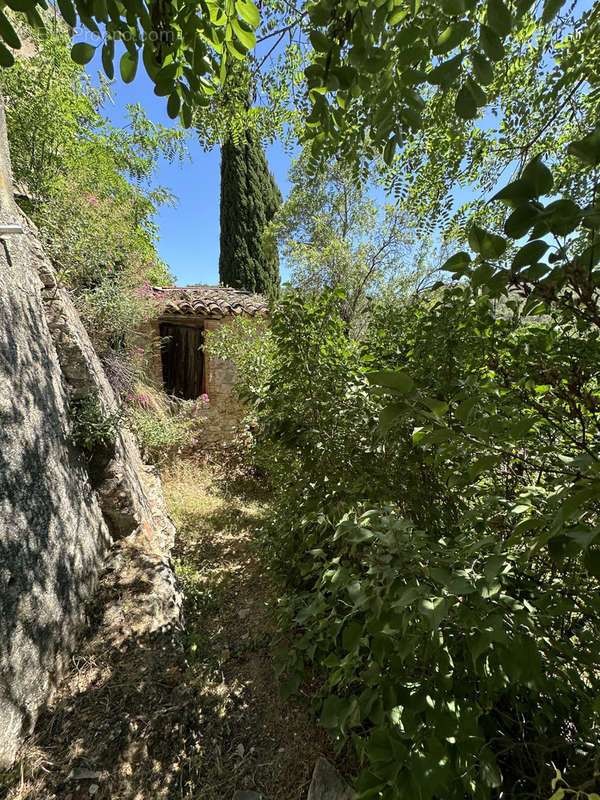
(56, 524)
(225, 411)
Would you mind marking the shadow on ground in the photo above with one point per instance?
(191, 716)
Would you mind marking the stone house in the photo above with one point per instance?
(182, 366)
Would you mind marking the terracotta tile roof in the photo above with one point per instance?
(212, 301)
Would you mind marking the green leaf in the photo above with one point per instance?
(452, 36)
(439, 407)
(482, 69)
(237, 49)
(562, 216)
(521, 220)
(437, 436)
(559, 794)
(408, 596)
(19, 5)
(488, 245)
(108, 54)
(456, 584)
(352, 635)
(590, 256)
(498, 17)
(82, 53)
(34, 19)
(389, 150)
(248, 12)
(464, 410)
(128, 66)
(392, 379)
(457, 262)
(173, 105)
(465, 104)
(67, 9)
(591, 561)
(587, 149)
(477, 92)
(6, 57)
(390, 414)
(489, 770)
(320, 42)
(290, 686)
(7, 32)
(247, 38)
(453, 7)
(435, 610)
(482, 465)
(537, 178)
(397, 15)
(445, 74)
(332, 714)
(491, 44)
(100, 10)
(551, 9)
(514, 194)
(529, 254)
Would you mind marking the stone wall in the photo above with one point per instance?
(55, 522)
(225, 410)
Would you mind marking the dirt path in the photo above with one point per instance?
(251, 739)
(164, 716)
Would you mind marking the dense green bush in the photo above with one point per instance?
(452, 645)
(436, 507)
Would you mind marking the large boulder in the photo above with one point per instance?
(53, 537)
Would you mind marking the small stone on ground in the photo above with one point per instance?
(328, 784)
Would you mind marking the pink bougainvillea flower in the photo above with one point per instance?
(129, 397)
(142, 399)
(93, 201)
(139, 351)
(205, 398)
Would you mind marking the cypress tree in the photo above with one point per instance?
(249, 200)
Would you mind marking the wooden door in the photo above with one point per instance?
(182, 359)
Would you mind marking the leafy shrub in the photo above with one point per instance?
(436, 530)
(248, 343)
(92, 427)
(165, 428)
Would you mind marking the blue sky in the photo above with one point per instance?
(189, 233)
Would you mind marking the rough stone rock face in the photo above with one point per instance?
(56, 523)
(328, 784)
(120, 491)
(53, 537)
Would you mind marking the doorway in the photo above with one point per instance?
(182, 359)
